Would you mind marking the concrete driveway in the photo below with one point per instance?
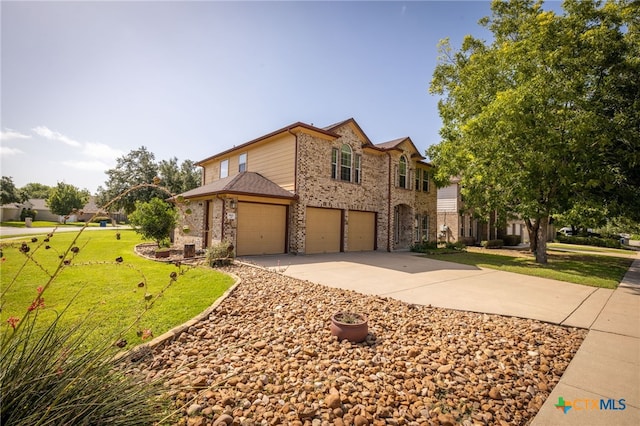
(414, 279)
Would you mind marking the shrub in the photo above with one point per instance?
(220, 253)
(28, 213)
(590, 241)
(458, 245)
(492, 244)
(154, 219)
(512, 240)
(424, 246)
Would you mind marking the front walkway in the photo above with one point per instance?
(607, 365)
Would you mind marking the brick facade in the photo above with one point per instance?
(399, 212)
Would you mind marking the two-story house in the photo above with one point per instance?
(303, 189)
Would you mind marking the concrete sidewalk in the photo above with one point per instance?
(607, 364)
(605, 368)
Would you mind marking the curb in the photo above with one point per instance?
(170, 335)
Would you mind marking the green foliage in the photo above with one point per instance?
(154, 219)
(139, 167)
(492, 244)
(219, 253)
(9, 193)
(546, 116)
(25, 213)
(52, 378)
(179, 179)
(423, 246)
(37, 190)
(512, 240)
(457, 246)
(590, 241)
(65, 199)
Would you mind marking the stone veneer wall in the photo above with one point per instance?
(316, 188)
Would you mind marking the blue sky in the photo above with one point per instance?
(86, 82)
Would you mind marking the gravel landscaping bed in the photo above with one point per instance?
(266, 356)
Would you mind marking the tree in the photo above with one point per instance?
(154, 219)
(65, 199)
(179, 179)
(531, 121)
(37, 190)
(9, 193)
(139, 167)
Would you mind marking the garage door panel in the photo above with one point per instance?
(261, 229)
(323, 230)
(361, 231)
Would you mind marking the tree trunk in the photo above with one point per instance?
(532, 228)
(541, 249)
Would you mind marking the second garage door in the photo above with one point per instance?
(361, 231)
(323, 230)
(262, 229)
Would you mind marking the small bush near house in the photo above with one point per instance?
(424, 246)
(492, 244)
(590, 241)
(220, 254)
(512, 240)
(457, 246)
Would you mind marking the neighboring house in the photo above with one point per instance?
(457, 223)
(11, 212)
(304, 189)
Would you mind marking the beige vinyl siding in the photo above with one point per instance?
(274, 159)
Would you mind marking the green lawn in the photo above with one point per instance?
(106, 292)
(594, 249)
(579, 268)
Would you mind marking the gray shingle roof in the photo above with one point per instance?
(245, 183)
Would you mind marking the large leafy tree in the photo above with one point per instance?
(154, 219)
(136, 168)
(65, 198)
(546, 115)
(139, 167)
(37, 190)
(9, 193)
(179, 178)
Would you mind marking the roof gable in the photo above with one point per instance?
(397, 144)
(356, 128)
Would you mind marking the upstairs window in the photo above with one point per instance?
(418, 181)
(334, 163)
(358, 168)
(425, 181)
(345, 163)
(224, 169)
(402, 172)
(242, 163)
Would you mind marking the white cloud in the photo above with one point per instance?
(5, 151)
(100, 150)
(92, 165)
(45, 132)
(8, 134)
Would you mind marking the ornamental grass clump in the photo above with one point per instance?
(52, 378)
(53, 372)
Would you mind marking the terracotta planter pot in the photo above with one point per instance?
(355, 332)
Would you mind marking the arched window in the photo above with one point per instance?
(345, 163)
(402, 172)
